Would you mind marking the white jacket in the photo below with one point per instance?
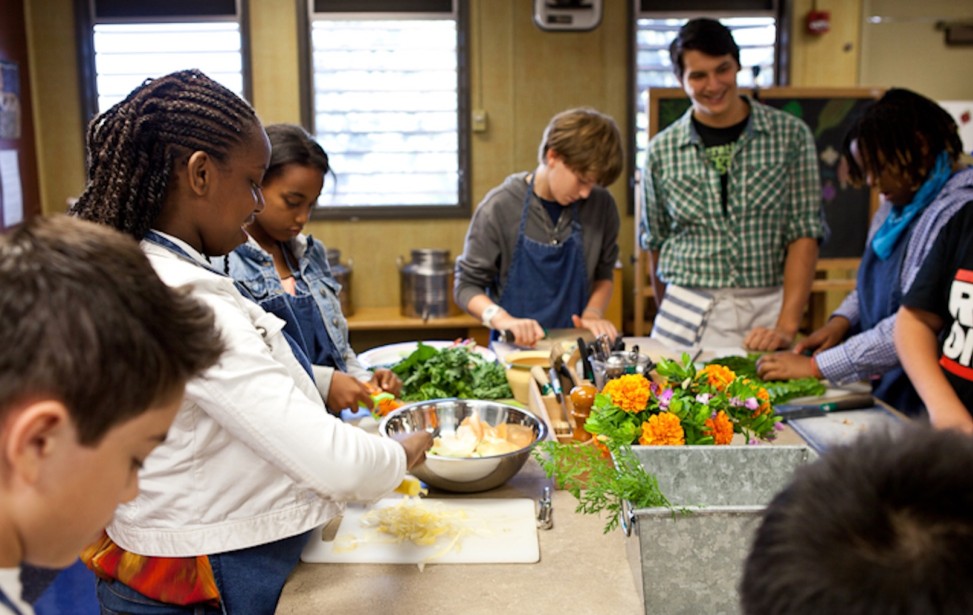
(252, 456)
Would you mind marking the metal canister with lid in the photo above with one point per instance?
(342, 273)
(427, 285)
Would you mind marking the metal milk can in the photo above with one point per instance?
(342, 273)
(427, 285)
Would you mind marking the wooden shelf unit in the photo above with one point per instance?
(375, 326)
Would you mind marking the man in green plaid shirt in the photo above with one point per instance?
(732, 207)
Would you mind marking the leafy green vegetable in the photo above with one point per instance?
(780, 391)
(598, 484)
(429, 373)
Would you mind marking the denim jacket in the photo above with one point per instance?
(253, 268)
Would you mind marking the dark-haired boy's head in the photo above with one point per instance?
(707, 36)
(883, 525)
(85, 319)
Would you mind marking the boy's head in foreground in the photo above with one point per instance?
(95, 352)
(883, 525)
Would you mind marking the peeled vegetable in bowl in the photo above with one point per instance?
(444, 418)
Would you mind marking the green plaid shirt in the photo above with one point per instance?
(774, 198)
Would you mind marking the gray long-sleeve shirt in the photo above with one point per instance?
(492, 237)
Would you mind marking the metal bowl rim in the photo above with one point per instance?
(541, 426)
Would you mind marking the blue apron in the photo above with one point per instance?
(296, 348)
(303, 321)
(879, 296)
(546, 281)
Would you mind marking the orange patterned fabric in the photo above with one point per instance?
(173, 580)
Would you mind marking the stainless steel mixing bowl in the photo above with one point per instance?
(443, 416)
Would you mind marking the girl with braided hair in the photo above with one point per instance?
(253, 461)
(908, 147)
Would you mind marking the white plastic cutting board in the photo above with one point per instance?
(496, 531)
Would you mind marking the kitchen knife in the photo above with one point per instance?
(803, 411)
(556, 385)
(586, 368)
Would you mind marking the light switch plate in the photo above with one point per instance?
(479, 120)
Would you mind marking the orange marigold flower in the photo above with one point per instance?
(720, 427)
(663, 428)
(718, 376)
(765, 407)
(629, 392)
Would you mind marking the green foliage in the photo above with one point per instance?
(458, 371)
(780, 391)
(598, 484)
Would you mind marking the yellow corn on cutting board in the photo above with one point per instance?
(491, 531)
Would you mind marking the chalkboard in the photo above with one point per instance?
(829, 113)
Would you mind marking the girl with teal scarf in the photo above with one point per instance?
(907, 148)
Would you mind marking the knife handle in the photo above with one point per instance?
(542, 380)
(851, 402)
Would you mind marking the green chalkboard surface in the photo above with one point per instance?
(829, 112)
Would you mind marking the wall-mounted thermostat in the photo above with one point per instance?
(567, 15)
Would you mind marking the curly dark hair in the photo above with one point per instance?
(903, 131)
(132, 146)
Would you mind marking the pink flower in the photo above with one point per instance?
(664, 398)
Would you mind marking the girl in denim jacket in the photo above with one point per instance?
(287, 272)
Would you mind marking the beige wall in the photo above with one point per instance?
(520, 77)
(829, 59)
(57, 101)
(910, 52)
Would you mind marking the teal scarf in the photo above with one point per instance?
(900, 218)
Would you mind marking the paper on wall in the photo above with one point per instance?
(11, 194)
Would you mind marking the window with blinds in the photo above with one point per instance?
(755, 35)
(127, 53)
(387, 101)
(122, 43)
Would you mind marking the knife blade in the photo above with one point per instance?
(802, 411)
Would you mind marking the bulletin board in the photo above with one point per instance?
(829, 112)
(19, 191)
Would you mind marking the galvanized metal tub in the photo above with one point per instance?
(689, 560)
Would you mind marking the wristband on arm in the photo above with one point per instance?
(489, 313)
